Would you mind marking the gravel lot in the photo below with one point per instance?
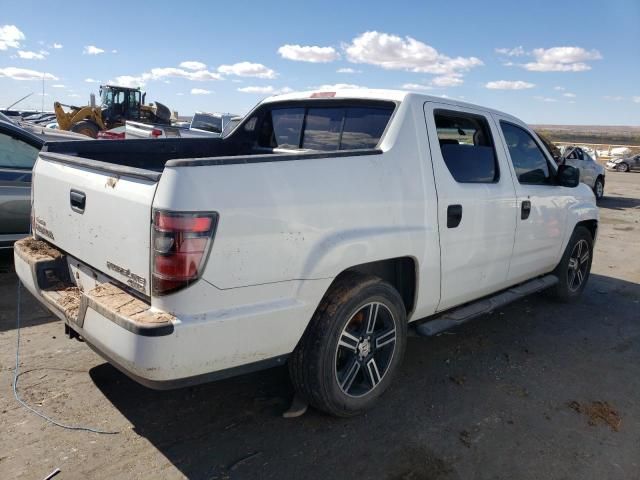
(507, 396)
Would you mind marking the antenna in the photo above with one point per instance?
(15, 103)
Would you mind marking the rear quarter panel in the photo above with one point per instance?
(312, 219)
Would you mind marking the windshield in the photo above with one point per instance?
(106, 97)
(204, 121)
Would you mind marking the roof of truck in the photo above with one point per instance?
(379, 94)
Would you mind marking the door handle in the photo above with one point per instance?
(525, 210)
(454, 215)
(78, 201)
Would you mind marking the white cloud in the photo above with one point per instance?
(128, 81)
(114, 51)
(200, 91)
(162, 73)
(511, 52)
(91, 80)
(509, 85)
(453, 80)
(58, 85)
(73, 95)
(348, 70)
(416, 86)
(636, 99)
(247, 69)
(560, 89)
(200, 75)
(92, 50)
(338, 86)
(613, 98)
(10, 37)
(569, 95)
(57, 45)
(392, 52)
(545, 99)
(180, 94)
(562, 59)
(312, 54)
(267, 90)
(25, 74)
(193, 65)
(27, 55)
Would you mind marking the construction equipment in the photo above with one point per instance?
(118, 104)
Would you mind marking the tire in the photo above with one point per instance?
(622, 167)
(598, 188)
(342, 365)
(86, 127)
(573, 277)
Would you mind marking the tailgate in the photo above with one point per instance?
(97, 212)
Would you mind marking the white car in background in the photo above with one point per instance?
(591, 172)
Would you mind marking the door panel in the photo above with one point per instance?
(539, 236)
(15, 200)
(476, 220)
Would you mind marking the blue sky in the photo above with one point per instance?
(566, 62)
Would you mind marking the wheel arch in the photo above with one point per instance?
(400, 272)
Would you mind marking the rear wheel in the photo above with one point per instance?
(622, 167)
(598, 188)
(86, 127)
(352, 347)
(574, 268)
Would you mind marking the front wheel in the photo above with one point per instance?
(598, 188)
(622, 167)
(352, 347)
(574, 268)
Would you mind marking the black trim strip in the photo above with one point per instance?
(274, 157)
(196, 379)
(105, 167)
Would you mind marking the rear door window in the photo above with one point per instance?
(467, 146)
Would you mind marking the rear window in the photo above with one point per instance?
(325, 128)
(210, 123)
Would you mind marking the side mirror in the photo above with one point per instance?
(568, 176)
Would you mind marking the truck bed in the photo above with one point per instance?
(154, 155)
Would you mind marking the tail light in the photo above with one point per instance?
(181, 243)
(156, 132)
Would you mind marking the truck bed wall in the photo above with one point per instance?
(149, 154)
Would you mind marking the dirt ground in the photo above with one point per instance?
(537, 390)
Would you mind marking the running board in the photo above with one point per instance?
(463, 314)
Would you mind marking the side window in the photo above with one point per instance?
(467, 146)
(16, 153)
(528, 159)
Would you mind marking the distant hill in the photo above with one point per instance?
(617, 135)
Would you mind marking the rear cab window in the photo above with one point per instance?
(332, 126)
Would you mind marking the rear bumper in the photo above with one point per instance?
(154, 348)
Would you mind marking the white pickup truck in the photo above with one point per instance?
(320, 231)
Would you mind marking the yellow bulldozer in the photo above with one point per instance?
(118, 104)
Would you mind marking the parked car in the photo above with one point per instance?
(591, 172)
(624, 164)
(319, 231)
(202, 125)
(19, 149)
